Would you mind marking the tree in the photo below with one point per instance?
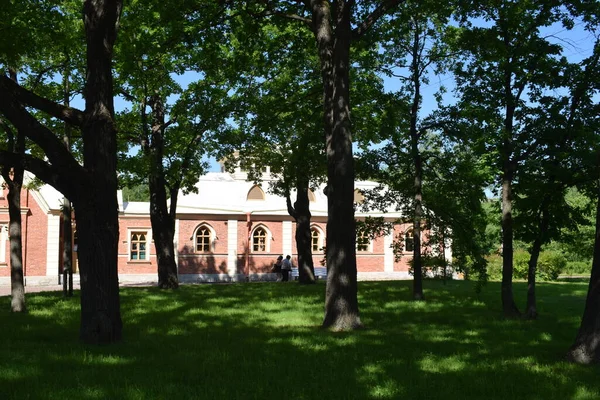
(413, 48)
(331, 25)
(173, 136)
(92, 187)
(586, 349)
(506, 62)
(13, 177)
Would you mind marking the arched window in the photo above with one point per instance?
(260, 239)
(203, 239)
(255, 193)
(362, 241)
(311, 196)
(359, 198)
(316, 240)
(138, 245)
(409, 240)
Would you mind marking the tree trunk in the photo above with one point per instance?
(531, 309)
(586, 348)
(67, 256)
(17, 302)
(15, 184)
(163, 233)
(341, 297)
(418, 180)
(163, 223)
(508, 303)
(96, 200)
(306, 269)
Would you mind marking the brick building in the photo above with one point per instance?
(230, 230)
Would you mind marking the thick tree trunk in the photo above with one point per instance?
(96, 201)
(163, 233)
(163, 223)
(531, 309)
(341, 297)
(306, 269)
(586, 348)
(17, 288)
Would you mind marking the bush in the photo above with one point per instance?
(578, 268)
(550, 264)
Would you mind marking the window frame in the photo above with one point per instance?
(320, 239)
(366, 247)
(148, 241)
(409, 235)
(211, 236)
(267, 239)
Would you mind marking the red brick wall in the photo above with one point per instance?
(260, 262)
(127, 266)
(402, 264)
(212, 262)
(34, 232)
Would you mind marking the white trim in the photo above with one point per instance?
(52, 245)
(388, 252)
(286, 233)
(232, 242)
(41, 201)
(3, 240)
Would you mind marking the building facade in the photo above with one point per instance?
(230, 230)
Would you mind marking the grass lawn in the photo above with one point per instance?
(262, 341)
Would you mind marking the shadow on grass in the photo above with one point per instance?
(263, 341)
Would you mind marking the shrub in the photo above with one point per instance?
(550, 264)
(578, 267)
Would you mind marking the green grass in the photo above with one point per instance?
(263, 341)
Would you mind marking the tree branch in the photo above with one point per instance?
(23, 121)
(382, 9)
(55, 177)
(9, 88)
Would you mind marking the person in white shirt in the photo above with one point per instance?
(286, 268)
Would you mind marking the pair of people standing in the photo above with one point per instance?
(283, 268)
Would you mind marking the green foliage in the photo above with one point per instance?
(136, 193)
(549, 266)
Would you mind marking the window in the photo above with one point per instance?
(203, 239)
(362, 242)
(138, 244)
(359, 198)
(409, 241)
(315, 239)
(259, 240)
(255, 193)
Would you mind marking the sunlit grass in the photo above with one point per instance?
(263, 341)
